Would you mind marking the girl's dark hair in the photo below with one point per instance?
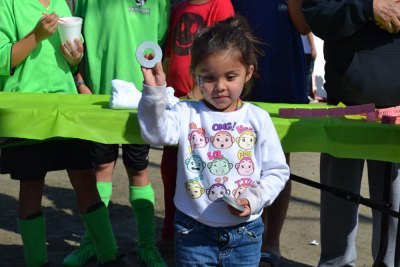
(230, 34)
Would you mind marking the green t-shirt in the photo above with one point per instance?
(113, 30)
(45, 70)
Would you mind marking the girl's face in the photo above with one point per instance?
(221, 79)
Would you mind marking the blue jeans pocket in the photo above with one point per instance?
(253, 230)
(183, 224)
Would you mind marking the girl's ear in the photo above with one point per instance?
(195, 77)
(198, 80)
(249, 73)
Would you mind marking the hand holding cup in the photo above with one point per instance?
(73, 53)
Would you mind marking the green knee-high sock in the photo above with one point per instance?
(105, 192)
(33, 234)
(142, 202)
(98, 226)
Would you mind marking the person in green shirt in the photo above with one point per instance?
(32, 59)
(30, 48)
(112, 31)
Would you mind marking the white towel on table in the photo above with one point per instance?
(126, 96)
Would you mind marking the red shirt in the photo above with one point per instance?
(185, 22)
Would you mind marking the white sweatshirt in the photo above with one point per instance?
(236, 153)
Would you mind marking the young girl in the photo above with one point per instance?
(226, 147)
(186, 20)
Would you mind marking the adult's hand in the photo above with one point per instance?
(387, 15)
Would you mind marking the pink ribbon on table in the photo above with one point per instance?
(326, 112)
(386, 115)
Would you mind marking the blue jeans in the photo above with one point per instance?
(197, 244)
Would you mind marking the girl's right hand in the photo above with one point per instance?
(154, 76)
(46, 26)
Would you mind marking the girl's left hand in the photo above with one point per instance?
(245, 204)
(71, 54)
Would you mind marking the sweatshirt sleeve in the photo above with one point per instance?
(274, 174)
(7, 37)
(158, 126)
(334, 20)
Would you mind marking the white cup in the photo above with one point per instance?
(69, 28)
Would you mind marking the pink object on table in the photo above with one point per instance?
(337, 112)
(367, 108)
(393, 111)
(303, 112)
(353, 110)
(287, 112)
(387, 119)
(319, 112)
(371, 116)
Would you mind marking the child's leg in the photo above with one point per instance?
(168, 175)
(98, 226)
(141, 197)
(29, 163)
(33, 234)
(244, 244)
(105, 191)
(30, 197)
(103, 156)
(86, 250)
(31, 222)
(142, 201)
(94, 214)
(196, 244)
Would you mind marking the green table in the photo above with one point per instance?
(43, 116)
